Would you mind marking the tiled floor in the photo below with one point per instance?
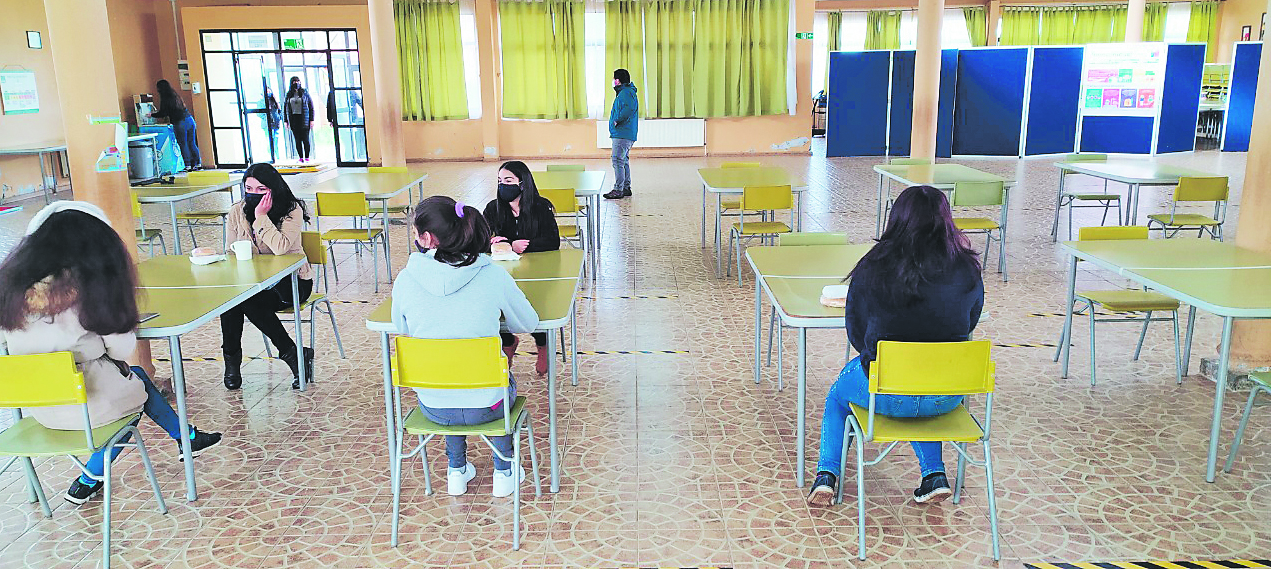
(680, 459)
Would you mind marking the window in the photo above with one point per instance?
(953, 32)
(597, 77)
(820, 50)
(471, 58)
(1177, 16)
(853, 37)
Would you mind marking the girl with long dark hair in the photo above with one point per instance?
(70, 285)
(173, 109)
(527, 221)
(271, 218)
(299, 109)
(920, 283)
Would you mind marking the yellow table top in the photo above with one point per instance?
(34, 147)
(376, 186)
(801, 297)
(586, 183)
(565, 263)
(1239, 293)
(1181, 253)
(732, 180)
(806, 260)
(181, 310)
(1132, 171)
(176, 271)
(161, 193)
(941, 176)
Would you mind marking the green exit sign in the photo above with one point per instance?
(293, 44)
(803, 35)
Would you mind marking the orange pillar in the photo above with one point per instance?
(491, 78)
(922, 138)
(1134, 20)
(388, 86)
(993, 13)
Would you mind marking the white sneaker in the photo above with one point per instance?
(504, 484)
(457, 479)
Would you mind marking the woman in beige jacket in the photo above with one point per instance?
(70, 286)
(271, 218)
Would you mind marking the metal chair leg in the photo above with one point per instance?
(529, 432)
(1178, 350)
(516, 493)
(1240, 431)
(959, 479)
(34, 480)
(1092, 346)
(334, 329)
(772, 321)
(992, 495)
(1143, 334)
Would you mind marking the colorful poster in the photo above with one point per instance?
(1111, 98)
(1100, 75)
(1134, 69)
(1147, 98)
(1125, 76)
(1129, 98)
(18, 93)
(1094, 98)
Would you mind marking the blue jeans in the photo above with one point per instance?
(457, 445)
(187, 138)
(157, 408)
(621, 163)
(852, 386)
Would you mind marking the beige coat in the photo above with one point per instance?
(111, 396)
(266, 238)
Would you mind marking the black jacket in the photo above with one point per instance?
(172, 110)
(947, 310)
(504, 224)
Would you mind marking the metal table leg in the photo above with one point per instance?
(1191, 327)
(800, 409)
(758, 324)
(44, 176)
(176, 237)
(1220, 390)
(703, 215)
(388, 266)
(573, 343)
(178, 387)
(878, 224)
(295, 314)
(1066, 337)
(551, 413)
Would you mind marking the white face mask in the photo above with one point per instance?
(616, 82)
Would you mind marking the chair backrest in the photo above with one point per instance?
(41, 380)
(1112, 233)
(764, 198)
(1086, 158)
(136, 205)
(563, 199)
(566, 168)
(741, 165)
(978, 193)
(386, 170)
(343, 204)
(1201, 189)
(450, 364)
(932, 368)
(200, 177)
(808, 238)
(315, 252)
(910, 161)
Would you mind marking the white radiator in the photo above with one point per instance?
(660, 133)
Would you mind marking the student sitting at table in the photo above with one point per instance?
(451, 290)
(70, 286)
(271, 218)
(920, 283)
(527, 221)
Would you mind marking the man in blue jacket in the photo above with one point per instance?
(623, 119)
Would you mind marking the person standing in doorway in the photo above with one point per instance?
(623, 119)
(300, 117)
(273, 119)
(173, 109)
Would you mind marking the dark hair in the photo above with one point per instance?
(920, 241)
(294, 87)
(284, 200)
(460, 240)
(526, 223)
(91, 272)
(168, 97)
(622, 75)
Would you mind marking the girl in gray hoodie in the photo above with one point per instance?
(450, 290)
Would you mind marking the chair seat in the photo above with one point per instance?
(1263, 377)
(202, 215)
(975, 223)
(351, 234)
(1130, 300)
(956, 426)
(29, 438)
(1183, 219)
(568, 231)
(148, 234)
(418, 424)
(313, 297)
(761, 228)
(391, 209)
(1094, 197)
(730, 203)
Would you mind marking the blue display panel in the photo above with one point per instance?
(1244, 86)
(1180, 98)
(989, 105)
(1130, 135)
(948, 94)
(1053, 100)
(902, 102)
(856, 124)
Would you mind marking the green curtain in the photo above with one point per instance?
(542, 59)
(1057, 25)
(624, 47)
(668, 58)
(1020, 25)
(976, 25)
(882, 29)
(1100, 24)
(834, 20)
(739, 57)
(1154, 22)
(1202, 25)
(430, 59)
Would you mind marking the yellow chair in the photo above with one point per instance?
(795, 240)
(46, 380)
(456, 364)
(1123, 301)
(206, 177)
(352, 205)
(732, 202)
(144, 235)
(766, 200)
(984, 194)
(899, 162)
(1261, 384)
(1195, 189)
(317, 256)
(565, 202)
(1070, 198)
(918, 368)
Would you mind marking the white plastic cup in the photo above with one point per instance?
(242, 250)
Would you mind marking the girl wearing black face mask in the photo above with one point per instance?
(271, 218)
(527, 221)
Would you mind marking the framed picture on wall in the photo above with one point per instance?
(1245, 32)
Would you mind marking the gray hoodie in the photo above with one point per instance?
(432, 299)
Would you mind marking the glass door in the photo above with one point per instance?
(228, 142)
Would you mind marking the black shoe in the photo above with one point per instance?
(617, 194)
(198, 442)
(823, 490)
(80, 492)
(233, 375)
(934, 488)
(290, 359)
(626, 192)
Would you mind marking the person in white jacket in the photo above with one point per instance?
(451, 290)
(70, 286)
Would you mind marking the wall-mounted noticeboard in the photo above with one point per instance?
(18, 93)
(1122, 79)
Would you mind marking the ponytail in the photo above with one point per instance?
(460, 230)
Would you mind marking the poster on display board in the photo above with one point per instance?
(1122, 79)
(18, 93)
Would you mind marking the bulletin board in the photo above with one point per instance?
(1122, 79)
(1241, 96)
(1180, 98)
(856, 124)
(902, 99)
(18, 93)
(1053, 100)
(989, 101)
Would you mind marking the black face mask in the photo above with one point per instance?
(421, 248)
(253, 200)
(509, 192)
